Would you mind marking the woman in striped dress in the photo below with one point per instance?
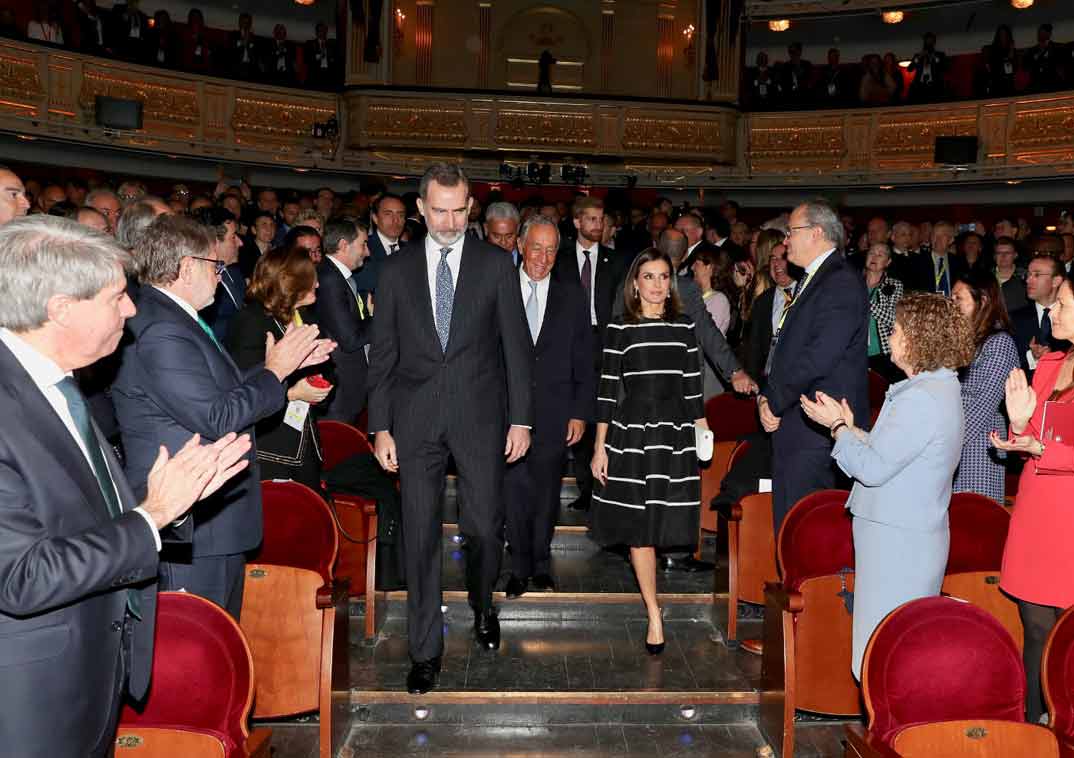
(645, 456)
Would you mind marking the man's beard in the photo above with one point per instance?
(591, 236)
(440, 239)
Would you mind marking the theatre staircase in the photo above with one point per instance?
(571, 677)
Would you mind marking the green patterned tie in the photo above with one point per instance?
(208, 330)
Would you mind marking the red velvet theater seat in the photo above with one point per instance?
(943, 677)
(294, 613)
(878, 391)
(978, 533)
(807, 625)
(202, 688)
(1057, 677)
(730, 418)
(356, 519)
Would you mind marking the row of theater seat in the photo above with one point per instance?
(288, 653)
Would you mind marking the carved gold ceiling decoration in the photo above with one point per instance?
(1043, 127)
(415, 123)
(19, 80)
(917, 133)
(673, 135)
(170, 103)
(545, 129)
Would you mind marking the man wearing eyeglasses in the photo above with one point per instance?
(105, 202)
(177, 380)
(820, 343)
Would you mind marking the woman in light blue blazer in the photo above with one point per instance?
(903, 468)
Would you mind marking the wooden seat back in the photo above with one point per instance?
(756, 549)
(975, 739)
(711, 480)
(731, 416)
(201, 690)
(982, 589)
(978, 527)
(823, 634)
(815, 538)
(294, 613)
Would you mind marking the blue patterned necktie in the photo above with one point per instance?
(76, 406)
(445, 297)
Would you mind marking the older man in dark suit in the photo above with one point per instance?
(78, 554)
(345, 315)
(820, 344)
(563, 390)
(449, 375)
(176, 380)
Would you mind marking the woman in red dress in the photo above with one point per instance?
(1038, 562)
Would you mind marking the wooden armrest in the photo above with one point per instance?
(332, 594)
(369, 507)
(864, 744)
(727, 511)
(258, 744)
(788, 601)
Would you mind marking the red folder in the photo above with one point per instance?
(1058, 422)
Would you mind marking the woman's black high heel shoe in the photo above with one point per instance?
(656, 649)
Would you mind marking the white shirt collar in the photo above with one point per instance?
(524, 278)
(818, 262)
(387, 243)
(43, 370)
(581, 250)
(187, 307)
(692, 247)
(347, 273)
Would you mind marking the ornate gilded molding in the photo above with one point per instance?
(20, 83)
(168, 103)
(567, 131)
(261, 118)
(414, 123)
(783, 8)
(677, 136)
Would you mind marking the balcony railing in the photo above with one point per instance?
(45, 93)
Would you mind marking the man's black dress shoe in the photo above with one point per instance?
(544, 582)
(487, 629)
(423, 676)
(581, 504)
(690, 564)
(516, 587)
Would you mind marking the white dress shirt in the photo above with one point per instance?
(580, 254)
(46, 375)
(387, 243)
(692, 248)
(187, 307)
(432, 262)
(1031, 359)
(347, 273)
(778, 299)
(542, 295)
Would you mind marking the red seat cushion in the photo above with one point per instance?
(202, 672)
(978, 533)
(731, 417)
(340, 441)
(815, 538)
(940, 659)
(1057, 675)
(878, 389)
(299, 529)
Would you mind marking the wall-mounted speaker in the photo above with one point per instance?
(115, 113)
(955, 151)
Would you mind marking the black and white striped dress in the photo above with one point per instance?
(650, 395)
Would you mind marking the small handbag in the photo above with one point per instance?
(704, 441)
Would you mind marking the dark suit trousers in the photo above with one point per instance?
(797, 470)
(531, 493)
(480, 462)
(583, 449)
(215, 577)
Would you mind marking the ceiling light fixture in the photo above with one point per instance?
(305, 2)
(892, 17)
(779, 24)
(1021, 4)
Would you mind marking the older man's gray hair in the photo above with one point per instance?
(444, 174)
(501, 211)
(165, 243)
(44, 256)
(96, 194)
(819, 214)
(533, 222)
(135, 218)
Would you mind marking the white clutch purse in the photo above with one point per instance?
(703, 440)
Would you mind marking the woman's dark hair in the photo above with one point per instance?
(281, 277)
(632, 312)
(990, 312)
(722, 280)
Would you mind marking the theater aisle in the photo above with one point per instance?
(571, 677)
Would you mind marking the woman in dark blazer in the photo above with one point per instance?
(884, 294)
(284, 281)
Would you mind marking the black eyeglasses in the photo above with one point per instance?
(218, 265)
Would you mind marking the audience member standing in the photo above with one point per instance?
(78, 553)
(795, 76)
(278, 63)
(345, 315)
(904, 466)
(981, 469)
(388, 215)
(196, 51)
(1038, 564)
(645, 455)
(230, 295)
(501, 228)
(929, 68)
(322, 60)
(244, 60)
(766, 312)
(176, 380)
(1011, 279)
(937, 271)
(820, 345)
(13, 200)
(884, 294)
(1032, 324)
(563, 398)
(1000, 60)
(450, 375)
(1042, 61)
(45, 26)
